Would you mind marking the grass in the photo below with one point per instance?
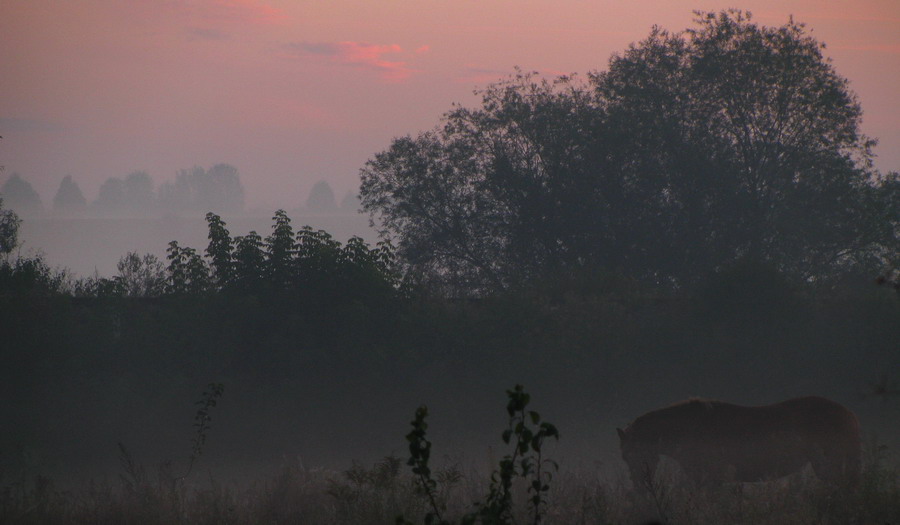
(390, 492)
(377, 494)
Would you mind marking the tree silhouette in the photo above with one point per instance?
(140, 276)
(9, 230)
(746, 143)
(139, 194)
(280, 249)
(20, 196)
(350, 202)
(188, 273)
(248, 259)
(198, 189)
(693, 152)
(321, 198)
(69, 197)
(219, 251)
(111, 196)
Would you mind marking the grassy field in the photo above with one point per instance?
(379, 493)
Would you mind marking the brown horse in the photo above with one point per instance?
(716, 442)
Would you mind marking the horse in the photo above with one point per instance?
(716, 442)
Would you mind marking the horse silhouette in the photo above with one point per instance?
(716, 442)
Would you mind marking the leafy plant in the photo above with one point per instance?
(527, 433)
(202, 419)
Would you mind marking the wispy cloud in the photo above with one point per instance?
(360, 54)
(218, 20)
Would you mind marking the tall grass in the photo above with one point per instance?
(377, 494)
(519, 490)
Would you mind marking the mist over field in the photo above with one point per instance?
(663, 290)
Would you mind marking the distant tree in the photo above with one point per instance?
(140, 276)
(693, 152)
(9, 230)
(350, 203)
(20, 196)
(218, 188)
(69, 197)
(111, 196)
(321, 198)
(169, 198)
(224, 190)
(139, 194)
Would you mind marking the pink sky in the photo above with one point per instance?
(292, 92)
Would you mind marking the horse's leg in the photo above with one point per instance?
(836, 467)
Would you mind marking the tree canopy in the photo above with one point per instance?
(694, 151)
(9, 230)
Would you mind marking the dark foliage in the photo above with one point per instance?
(9, 230)
(693, 152)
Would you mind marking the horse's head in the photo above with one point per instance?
(641, 455)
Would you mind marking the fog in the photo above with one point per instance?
(240, 284)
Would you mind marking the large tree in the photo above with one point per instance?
(746, 143)
(693, 151)
(497, 193)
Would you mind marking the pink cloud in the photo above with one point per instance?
(363, 55)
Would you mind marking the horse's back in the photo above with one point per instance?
(712, 439)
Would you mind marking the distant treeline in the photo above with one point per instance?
(193, 191)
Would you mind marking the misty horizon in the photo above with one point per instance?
(291, 94)
(680, 263)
